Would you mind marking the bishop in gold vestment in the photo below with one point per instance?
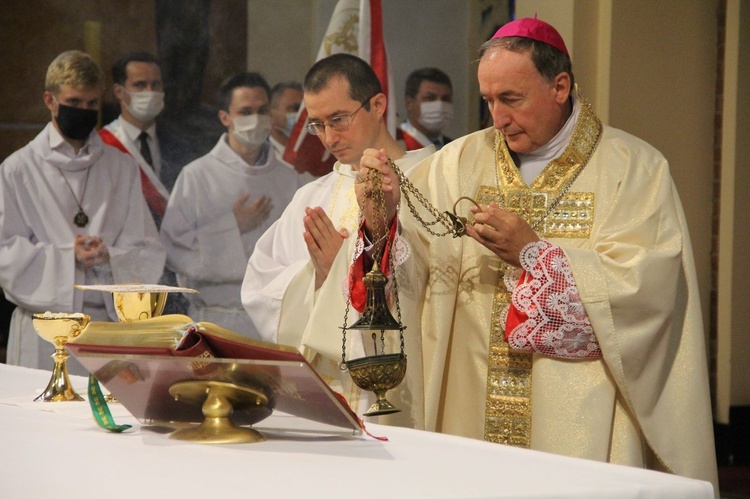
(620, 376)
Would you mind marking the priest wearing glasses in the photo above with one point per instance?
(71, 212)
(294, 280)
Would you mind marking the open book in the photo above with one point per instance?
(139, 361)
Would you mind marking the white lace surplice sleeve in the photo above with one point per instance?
(546, 315)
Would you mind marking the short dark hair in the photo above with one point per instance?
(415, 79)
(119, 69)
(548, 60)
(244, 79)
(279, 89)
(363, 82)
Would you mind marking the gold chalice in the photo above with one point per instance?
(57, 329)
(138, 305)
(135, 302)
(132, 306)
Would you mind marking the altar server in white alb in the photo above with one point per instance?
(71, 212)
(223, 202)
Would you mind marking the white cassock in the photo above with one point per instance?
(37, 234)
(279, 287)
(204, 245)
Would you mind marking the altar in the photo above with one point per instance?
(55, 449)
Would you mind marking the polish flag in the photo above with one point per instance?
(356, 27)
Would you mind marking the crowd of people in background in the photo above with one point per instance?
(258, 121)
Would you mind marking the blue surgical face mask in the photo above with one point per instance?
(291, 119)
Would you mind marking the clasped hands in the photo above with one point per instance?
(90, 251)
(501, 231)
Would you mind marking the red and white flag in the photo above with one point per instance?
(356, 28)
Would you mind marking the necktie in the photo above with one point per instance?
(145, 149)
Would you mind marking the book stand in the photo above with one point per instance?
(215, 400)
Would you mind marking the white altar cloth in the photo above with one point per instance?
(56, 450)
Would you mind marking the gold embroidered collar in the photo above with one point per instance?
(546, 204)
(561, 171)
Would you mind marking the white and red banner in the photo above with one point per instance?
(356, 27)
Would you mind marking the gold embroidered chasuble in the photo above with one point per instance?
(618, 219)
(548, 206)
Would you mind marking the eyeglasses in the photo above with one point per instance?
(337, 124)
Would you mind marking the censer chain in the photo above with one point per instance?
(453, 224)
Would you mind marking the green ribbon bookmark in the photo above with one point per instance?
(100, 410)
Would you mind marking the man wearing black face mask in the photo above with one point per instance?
(71, 212)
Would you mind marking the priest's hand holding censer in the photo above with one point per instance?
(378, 187)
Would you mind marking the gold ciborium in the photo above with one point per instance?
(58, 329)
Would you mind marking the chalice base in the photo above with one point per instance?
(59, 388)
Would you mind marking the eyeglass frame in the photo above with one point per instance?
(345, 120)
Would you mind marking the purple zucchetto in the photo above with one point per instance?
(535, 30)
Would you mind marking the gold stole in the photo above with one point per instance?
(553, 212)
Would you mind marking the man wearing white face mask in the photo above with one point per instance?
(429, 109)
(223, 202)
(138, 88)
(286, 99)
